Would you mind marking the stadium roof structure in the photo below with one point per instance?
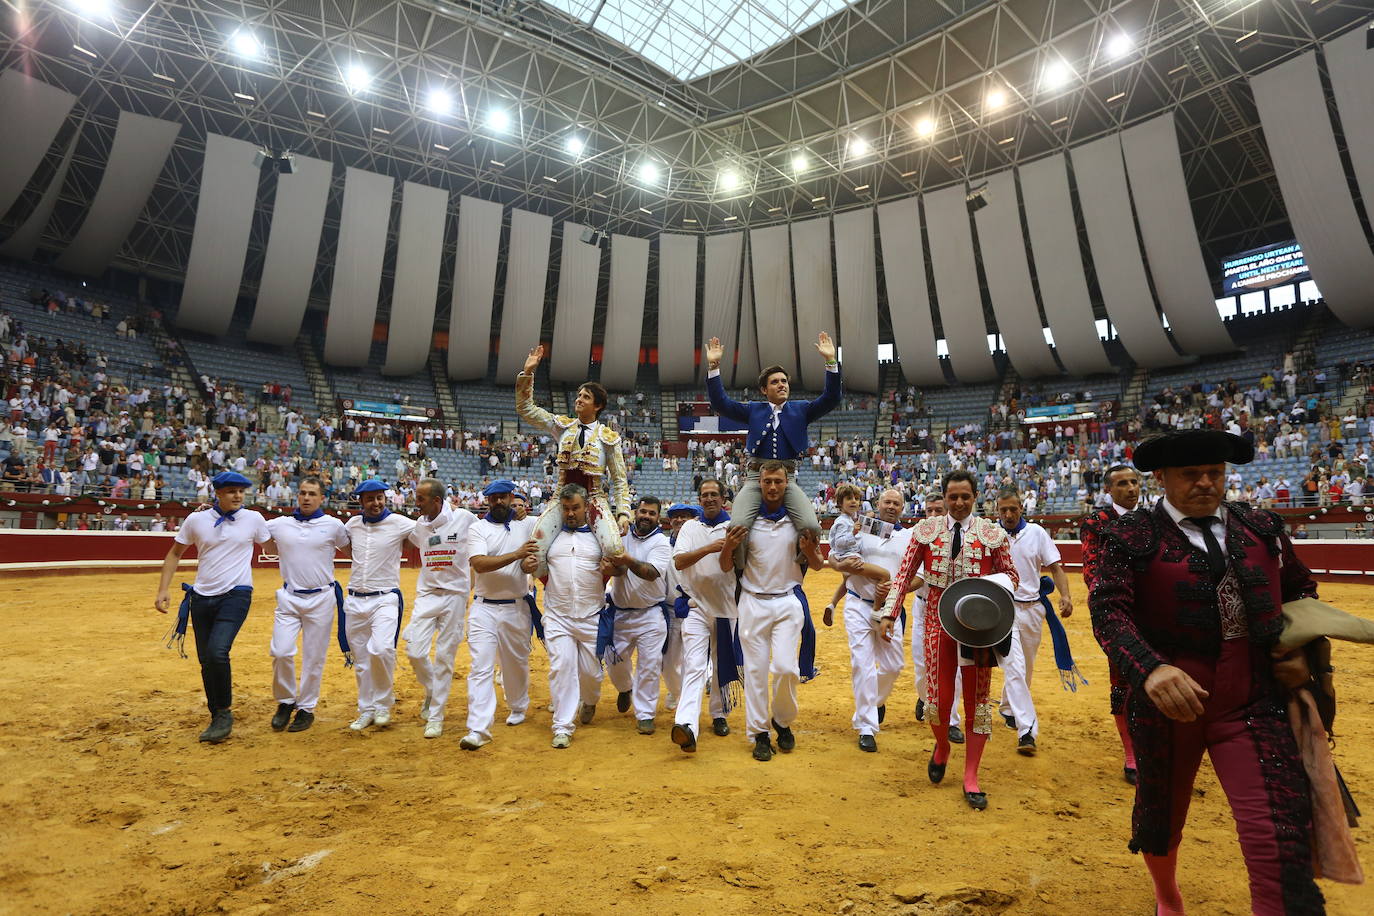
(616, 115)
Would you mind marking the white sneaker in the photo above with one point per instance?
(434, 729)
(515, 718)
(670, 702)
(363, 721)
(382, 717)
(472, 741)
(562, 740)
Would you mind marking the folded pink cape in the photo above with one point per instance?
(1333, 848)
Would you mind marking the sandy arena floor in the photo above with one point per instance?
(110, 806)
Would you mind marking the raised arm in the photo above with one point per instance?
(721, 402)
(834, 389)
(529, 411)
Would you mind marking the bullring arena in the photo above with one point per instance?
(958, 287)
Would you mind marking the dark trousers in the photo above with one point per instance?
(216, 620)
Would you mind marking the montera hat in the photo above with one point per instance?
(978, 611)
(1195, 446)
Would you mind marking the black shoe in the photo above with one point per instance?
(866, 743)
(978, 801)
(304, 719)
(1010, 721)
(1026, 745)
(1130, 774)
(622, 701)
(786, 740)
(221, 724)
(920, 710)
(882, 713)
(720, 727)
(763, 748)
(936, 771)
(282, 716)
(956, 736)
(683, 738)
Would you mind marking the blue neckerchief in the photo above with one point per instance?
(584, 529)
(373, 521)
(776, 516)
(505, 524)
(647, 536)
(223, 516)
(722, 517)
(318, 513)
(1017, 529)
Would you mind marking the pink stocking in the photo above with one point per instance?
(973, 754)
(1164, 874)
(1125, 741)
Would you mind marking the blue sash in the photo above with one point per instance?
(340, 629)
(536, 618)
(729, 658)
(1069, 675)
(806, 657)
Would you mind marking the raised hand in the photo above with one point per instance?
(532, 361)
(826, 347)
(714, 352)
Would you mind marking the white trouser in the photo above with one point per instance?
(574, 670)
(1019, 665)
(372, 625)
(497, 633)
(769, 632)
(698, 661)
(641, 633)
(437, 620)
(916, 617)
(672, 659)
(874, 662)
(311, 617)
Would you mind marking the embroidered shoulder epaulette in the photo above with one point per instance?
(1261, 521)
(1134, 532)
(565, 422)
(608, 435)
(989, 532)
(928, 529)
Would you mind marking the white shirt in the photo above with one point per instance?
(1032, 549)
(306, 549)
(885, 552)
(488, 539)
(711, 588)
(377, 552)
(629, 590)
(1192, 532)
(225, 552)
(771, 565)
(443, 544)
(575, 587)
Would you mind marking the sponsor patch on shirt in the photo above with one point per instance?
(434, 539)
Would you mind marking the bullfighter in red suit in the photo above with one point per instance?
(943, 550)
(1123, 486)
(1187, 602)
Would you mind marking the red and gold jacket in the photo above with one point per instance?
(986, 549)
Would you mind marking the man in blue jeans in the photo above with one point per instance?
(217, 604)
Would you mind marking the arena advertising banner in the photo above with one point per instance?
(1261, 268)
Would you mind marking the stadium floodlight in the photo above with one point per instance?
(439, 102)
(498, 119)
(858, 146)
(1119, 45)
(575, 145)
(1057, 74)
(357, 78)
(729, 180)
(995, 99)
(648, 173)
(246, 44)
(925, 127)
(800, 163)
(94, 9)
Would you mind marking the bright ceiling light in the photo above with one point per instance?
(94, 9)
(925, 127)
(996, 98)
(498, 119)
(1057, 74)
(1119, 45)
(246, 44)
(858, 146)
(729, 180)
(648, 173)
(357, 78)
(799, 163)
(440, 101)
(575, 145)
